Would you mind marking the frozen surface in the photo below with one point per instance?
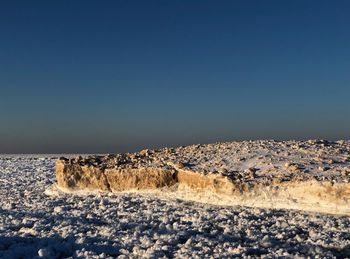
(37, 220)
(242, 161)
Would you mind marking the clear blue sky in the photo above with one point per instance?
(114, 76)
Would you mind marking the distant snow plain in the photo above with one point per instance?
(37, 220)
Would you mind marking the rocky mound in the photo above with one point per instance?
(309, 175)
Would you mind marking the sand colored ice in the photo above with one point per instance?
(306, 175)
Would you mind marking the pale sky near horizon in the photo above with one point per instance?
(118, 76)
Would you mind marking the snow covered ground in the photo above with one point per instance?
(38, 221)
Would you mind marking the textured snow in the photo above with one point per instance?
(37, 220)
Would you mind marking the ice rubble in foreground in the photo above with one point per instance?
(38, 220)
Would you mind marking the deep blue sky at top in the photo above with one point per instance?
(113, 76)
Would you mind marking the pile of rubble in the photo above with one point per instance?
(309, 175)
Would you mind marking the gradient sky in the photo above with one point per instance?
(115, 76)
